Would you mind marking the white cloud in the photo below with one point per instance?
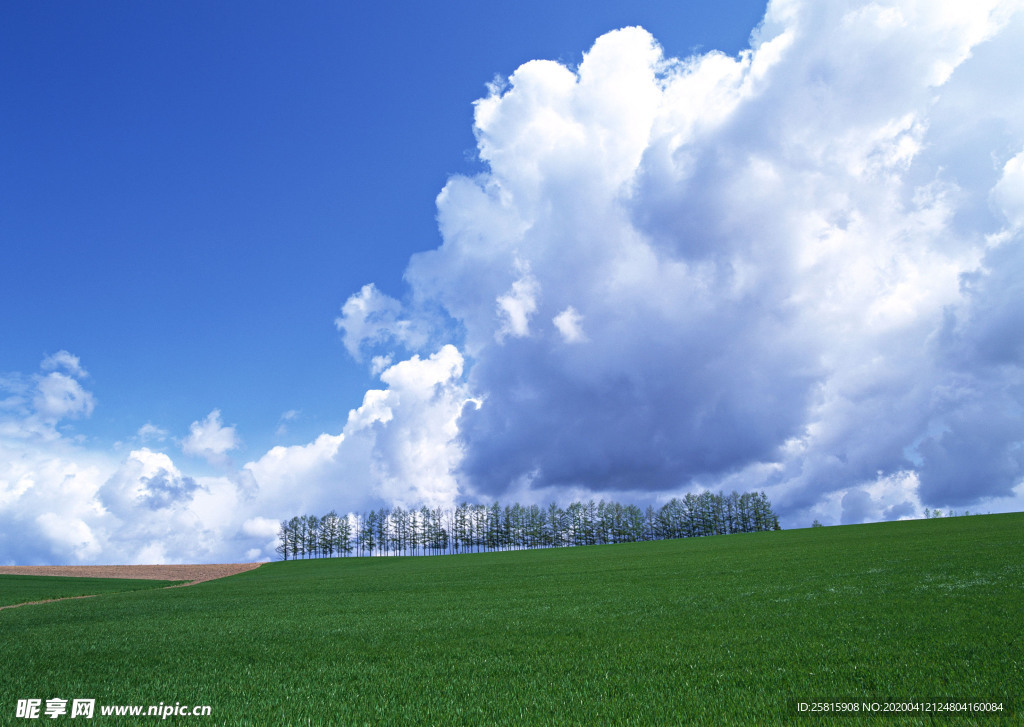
(1008, 193)
(210, 439)
(282, 424)
(34, 407)
(299, 473)
(413, 425)
(517, 306)
(261, 527)
(156, 513)
(62, 503)
(370, 317)
(145, 480)
(150, 432)
(379, 363)
(66, 361)
(58, 396)
(568, 324)
(375, 408)
(44, 483)
(399, 446)
(70, 535)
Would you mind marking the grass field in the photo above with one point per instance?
(734, 629)
(23, 589)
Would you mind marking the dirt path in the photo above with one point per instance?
(48, 600)
(192, 573)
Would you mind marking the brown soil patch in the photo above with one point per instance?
(193, 573)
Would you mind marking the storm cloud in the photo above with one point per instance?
(796, 269)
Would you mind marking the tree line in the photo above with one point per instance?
(481, 528)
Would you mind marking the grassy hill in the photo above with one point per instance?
(734, 629)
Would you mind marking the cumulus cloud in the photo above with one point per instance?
(517, 306)
(59, 396)
(261, 527)
(210, 439)
(70, 363)
(568, 324)
(33, 407)
(152, 512)
(1008, 193)
(61, 502)
(413, 423)
(47, 502)
(797, 267)
(399, 446)
(148, 480)
(64, 502)
(151, 432)
(370, 317)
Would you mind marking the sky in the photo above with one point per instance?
(264, 260)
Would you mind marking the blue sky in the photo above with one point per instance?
(191, 191)
(262, 260)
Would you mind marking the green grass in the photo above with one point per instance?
(25, 589)
(728, 630)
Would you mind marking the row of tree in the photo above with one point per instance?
(476, 528)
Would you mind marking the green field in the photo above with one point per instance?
(24, 589)
(733, 629)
